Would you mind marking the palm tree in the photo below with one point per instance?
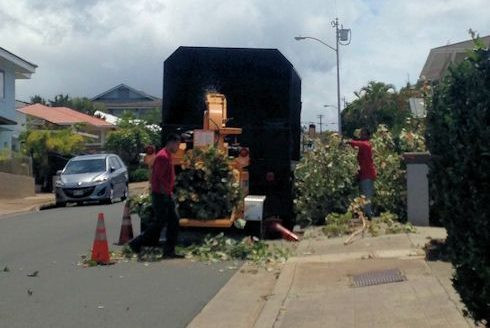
(376, 103)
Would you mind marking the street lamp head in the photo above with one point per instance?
(299, 38)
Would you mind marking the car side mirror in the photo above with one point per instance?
(59, 172)
(113, 169)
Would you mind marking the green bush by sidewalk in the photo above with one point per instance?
(458, 134)
(138, 174)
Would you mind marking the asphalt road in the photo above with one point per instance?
(162, 294)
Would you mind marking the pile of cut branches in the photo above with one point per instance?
(220, 248)
(206, 188)
(354, 223)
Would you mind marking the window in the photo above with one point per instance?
(85, 166)
(114, 163)
(2, 84)
(120, 161)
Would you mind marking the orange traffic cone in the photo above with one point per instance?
(100, 249)
(274, 225)
(126, 233)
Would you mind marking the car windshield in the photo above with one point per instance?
(85, 166)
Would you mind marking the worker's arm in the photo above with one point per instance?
(355, 143)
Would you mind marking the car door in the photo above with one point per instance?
(117, 181)
(124, 170)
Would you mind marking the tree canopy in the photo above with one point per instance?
(378, 103)
(81, 104)
(130, 139)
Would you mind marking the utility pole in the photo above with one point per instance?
(337, 36)
(320, 117)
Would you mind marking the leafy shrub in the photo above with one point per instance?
(138, 175)
(390, 185)
(337, 224)
(388, 223)
(206, 188)
(39, 143)
(458, 133)
(411, 138)
(141, 205)
(325, 180)
(130, 139)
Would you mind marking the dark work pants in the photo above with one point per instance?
(164, 214)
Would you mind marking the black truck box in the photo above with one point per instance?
(263, 93)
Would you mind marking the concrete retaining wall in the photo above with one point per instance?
(16, 186)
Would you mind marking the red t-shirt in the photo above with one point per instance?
(365, 159)
(163, 173)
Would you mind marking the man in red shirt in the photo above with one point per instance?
(367, 171)
(162, 187)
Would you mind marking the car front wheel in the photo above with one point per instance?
(109, 200)
(125, 194)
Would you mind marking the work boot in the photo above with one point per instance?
(135, 245)
(170, 254)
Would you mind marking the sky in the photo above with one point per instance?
(86, 47)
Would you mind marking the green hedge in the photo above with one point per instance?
(458, 134)
(138, 175)
(325, 180)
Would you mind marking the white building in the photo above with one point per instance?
(12, 67)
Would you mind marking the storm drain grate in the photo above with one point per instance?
(377, 278)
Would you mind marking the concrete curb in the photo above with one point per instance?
(239, 302)
(274, 305)
(347, 256)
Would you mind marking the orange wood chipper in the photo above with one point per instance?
(214, 132)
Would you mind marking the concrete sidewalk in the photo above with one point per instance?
(26, 204)
(34, 203)
(314, 288)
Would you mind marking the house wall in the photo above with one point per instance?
(18, 129)
(7, 105)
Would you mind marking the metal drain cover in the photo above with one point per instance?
(377, 278)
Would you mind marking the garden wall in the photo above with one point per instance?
(16, 186)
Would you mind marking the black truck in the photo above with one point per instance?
(263, 93)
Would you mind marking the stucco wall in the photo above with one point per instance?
(16, 186)
(418, 194)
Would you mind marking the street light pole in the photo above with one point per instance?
(341, 34)
(339, 119)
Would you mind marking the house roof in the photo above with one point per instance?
(63, 116)
(132, 104)
(23, 68)
(440, 58)
(143, 94)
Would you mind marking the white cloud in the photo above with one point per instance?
(85, 47)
